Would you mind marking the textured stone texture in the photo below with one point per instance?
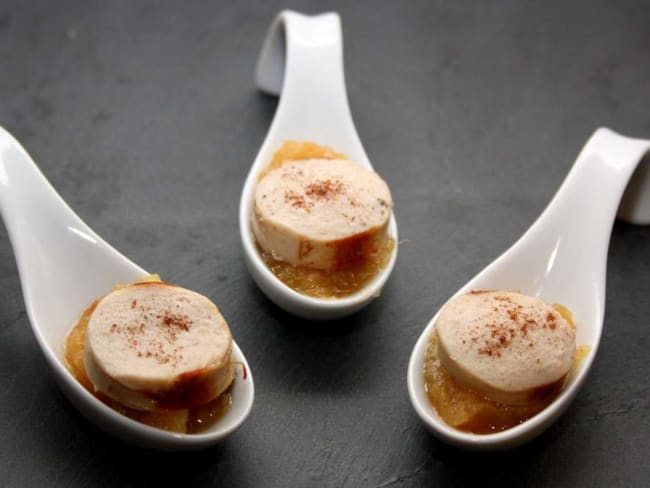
(145, 117)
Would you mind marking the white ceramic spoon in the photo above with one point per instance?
(302, 58)
(562, 258)
(63, 266)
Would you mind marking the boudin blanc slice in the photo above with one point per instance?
(504, 345)
(321, 213)
(157, 347)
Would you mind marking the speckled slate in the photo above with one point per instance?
(145, 117)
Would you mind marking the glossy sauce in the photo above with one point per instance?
(179, 420)
(359, 259)
(468, 411)
(336, 283)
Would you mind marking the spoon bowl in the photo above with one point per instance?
(562, 258)
(302, 61)
(63, 266)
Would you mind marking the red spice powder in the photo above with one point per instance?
(502, 335)
(297, 201)
(324, 188)
(550, 321)
(170, 325)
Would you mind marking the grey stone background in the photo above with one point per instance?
(145, 117)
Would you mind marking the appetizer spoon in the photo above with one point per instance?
(302, 61)
(64, 266)
(562, 258)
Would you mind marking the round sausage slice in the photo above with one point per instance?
(505, 345)
(321, 213)
(158, 347)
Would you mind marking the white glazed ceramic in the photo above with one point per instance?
(302, 59)
(562, 258)
(64, 266)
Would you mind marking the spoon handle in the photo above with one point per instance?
(302, 61)
(605, 171)
(591, 192)
(635, 203)
(55, 250)
(577, 224)
(33, 212)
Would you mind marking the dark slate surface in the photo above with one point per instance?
(145, 117)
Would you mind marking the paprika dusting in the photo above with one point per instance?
(321, 221)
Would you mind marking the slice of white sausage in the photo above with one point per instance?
(504, 345)
(157, 347)
(321, 213)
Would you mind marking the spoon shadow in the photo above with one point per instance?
(315, 357)
(435, 461)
